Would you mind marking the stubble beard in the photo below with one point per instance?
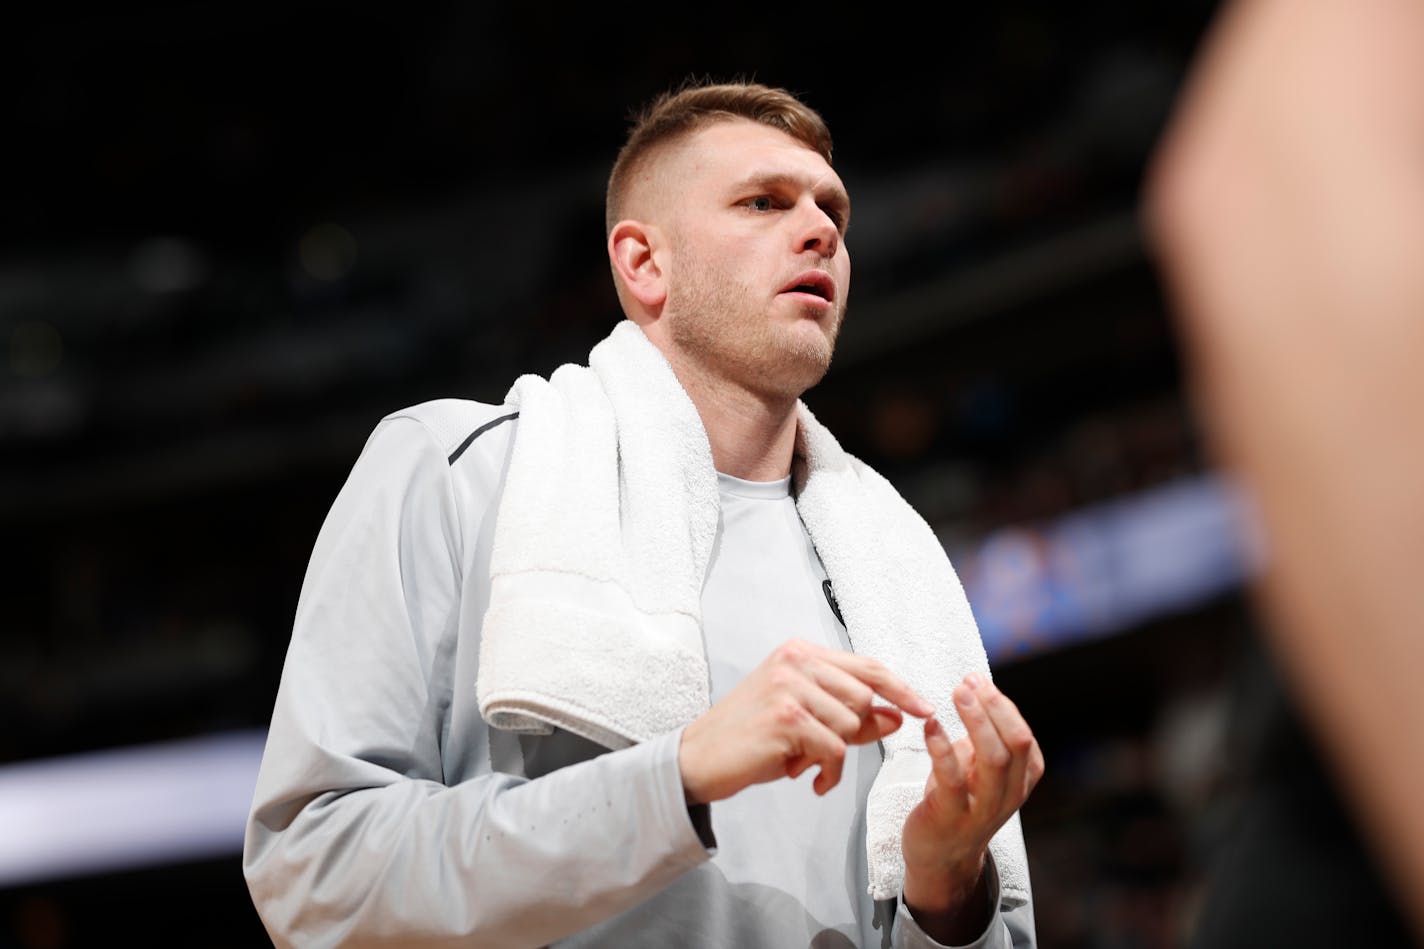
(718, 324)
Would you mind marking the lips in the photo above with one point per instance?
(816, 283)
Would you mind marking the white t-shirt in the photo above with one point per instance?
(764, 586)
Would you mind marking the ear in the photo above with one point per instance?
(631, 246)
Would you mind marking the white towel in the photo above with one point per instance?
(603, 538)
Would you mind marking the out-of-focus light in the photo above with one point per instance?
(125, 808)
(168, 265)
(1104, 568)
(327, 252)
(36, 349)
(48, 408)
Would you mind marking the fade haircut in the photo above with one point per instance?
(675, 115)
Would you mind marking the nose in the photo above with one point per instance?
(817, 231)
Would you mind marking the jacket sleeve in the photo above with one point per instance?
(355, 836)
(1008, 928)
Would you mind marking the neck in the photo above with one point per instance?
(752, 434)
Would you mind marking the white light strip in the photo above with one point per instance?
(129, 807)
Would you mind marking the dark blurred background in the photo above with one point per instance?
(237, 235)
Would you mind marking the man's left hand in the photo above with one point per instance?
(977, 784)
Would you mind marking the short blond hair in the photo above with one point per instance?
(674, 115)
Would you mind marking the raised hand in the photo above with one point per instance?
(801, 707)
(977, 784)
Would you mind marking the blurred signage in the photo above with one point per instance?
(1108, 567)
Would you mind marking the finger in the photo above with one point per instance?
(831, 711)
(1017, 737)
(949, 770)
(797, 766)
(811, 742)
(873, 722)
(855, 694)
(991, 755)
(883, 720)
(885, 683)
(1034, 771)
(826, 749)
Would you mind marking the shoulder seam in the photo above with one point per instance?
(470, 438)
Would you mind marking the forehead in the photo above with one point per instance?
(729, 153)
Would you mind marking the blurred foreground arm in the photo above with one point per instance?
(1288, 207)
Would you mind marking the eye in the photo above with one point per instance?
(761, 202)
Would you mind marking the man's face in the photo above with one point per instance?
(757, 268)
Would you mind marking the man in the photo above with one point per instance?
(555, 679)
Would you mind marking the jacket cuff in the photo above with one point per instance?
(909, 935)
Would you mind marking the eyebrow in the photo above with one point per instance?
(832, 195)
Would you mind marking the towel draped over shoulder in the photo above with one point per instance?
(601, 546)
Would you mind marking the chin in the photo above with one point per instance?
(794, 370)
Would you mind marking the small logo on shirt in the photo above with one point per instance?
(831, 599)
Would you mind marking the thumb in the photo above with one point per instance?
(883, 720)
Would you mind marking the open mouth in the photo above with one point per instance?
(816, 283)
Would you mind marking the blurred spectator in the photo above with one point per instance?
(1289, 206)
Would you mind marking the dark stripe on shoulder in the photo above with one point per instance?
(469, 440)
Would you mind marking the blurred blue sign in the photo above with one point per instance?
(1102, 569)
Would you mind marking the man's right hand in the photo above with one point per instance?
(801, 707)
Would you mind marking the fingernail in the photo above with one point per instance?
(964, 696)
(974, 680)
